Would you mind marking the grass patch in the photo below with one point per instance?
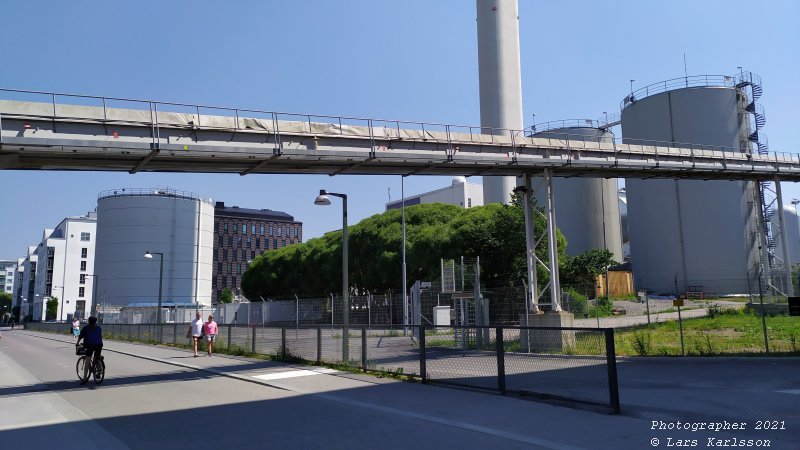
(723, 332)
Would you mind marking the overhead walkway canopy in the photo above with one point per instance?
(67, 132)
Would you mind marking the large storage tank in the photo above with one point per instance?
(132, 221)
(587, 209)
(689, 232)
(792, 220)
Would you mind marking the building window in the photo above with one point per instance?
(83, 266)
(253, 256)
(83, 278)
(81, 291)
(230, 240)
(469, 203)
(248, 241)
(258, 242)
(219, 267)
(253, 230)
(226, 229)
(84, 252)
(296, 231)
(280, 231)
(274, 243)
(244, 229)
(230, 269)
(86, 236)
(270, 230)
(262, 230)
(239, 242)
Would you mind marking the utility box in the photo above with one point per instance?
(441, 316)
(794, 306)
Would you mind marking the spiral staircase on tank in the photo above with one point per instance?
(775, 263)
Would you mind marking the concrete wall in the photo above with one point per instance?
(180, 228)
(695, 232)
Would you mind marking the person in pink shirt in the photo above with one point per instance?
(210, 330)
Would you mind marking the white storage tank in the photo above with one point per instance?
(131, 222)
(690, 232)
(792, 220)
(587, 209)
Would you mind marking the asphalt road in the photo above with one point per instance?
(157, 397)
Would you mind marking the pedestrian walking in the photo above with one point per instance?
(76, 328)
(196, 331)
(210, 331)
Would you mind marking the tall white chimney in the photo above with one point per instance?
(500, 83)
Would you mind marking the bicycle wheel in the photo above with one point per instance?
(99, 370)
(79, 367)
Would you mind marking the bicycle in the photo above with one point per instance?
(98, 371)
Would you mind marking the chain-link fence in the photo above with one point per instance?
(569, 364)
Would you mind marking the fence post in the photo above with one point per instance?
(501, 360)
(230, 332)
(253, 341)
(283, 343)
(319, 345)
(423, 369)
(364, 348)
(611, 364)
(175, 333)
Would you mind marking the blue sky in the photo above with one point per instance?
(411, 59)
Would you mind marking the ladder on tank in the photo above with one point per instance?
(766, 191)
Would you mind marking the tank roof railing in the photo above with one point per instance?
(153, 192)
(566, 123)
(727, 81)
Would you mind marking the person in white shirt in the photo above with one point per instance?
(196, 331)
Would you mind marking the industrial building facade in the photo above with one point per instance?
(241, 234)
(460, 193)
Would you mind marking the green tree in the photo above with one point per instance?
(583, 269)
(52, 308)
(433, 231)
(5, 303)
(226, 296)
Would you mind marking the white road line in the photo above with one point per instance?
(791, 391)
(294, 374)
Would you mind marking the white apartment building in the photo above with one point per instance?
(65, 269)
(24, 283)
(8, 270)
(459, 193)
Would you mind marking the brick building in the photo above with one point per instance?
(241, 234)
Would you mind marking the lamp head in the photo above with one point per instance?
(148, 255)
(322, 198)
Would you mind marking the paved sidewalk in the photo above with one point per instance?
(508, 421)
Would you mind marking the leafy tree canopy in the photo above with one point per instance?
(493, 232)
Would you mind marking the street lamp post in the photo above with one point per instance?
(324, 200)
(149, 255)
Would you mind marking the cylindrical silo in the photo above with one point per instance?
(587, 209)
(690, 232)
(499, 81)
(792, 232)
(131, 222)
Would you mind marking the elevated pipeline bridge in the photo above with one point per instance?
(51, 131)
(69, 132)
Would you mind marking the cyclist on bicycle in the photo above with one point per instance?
(92, 335)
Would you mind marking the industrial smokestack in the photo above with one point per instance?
(500, 84)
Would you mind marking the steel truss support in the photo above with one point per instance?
(532, 241)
